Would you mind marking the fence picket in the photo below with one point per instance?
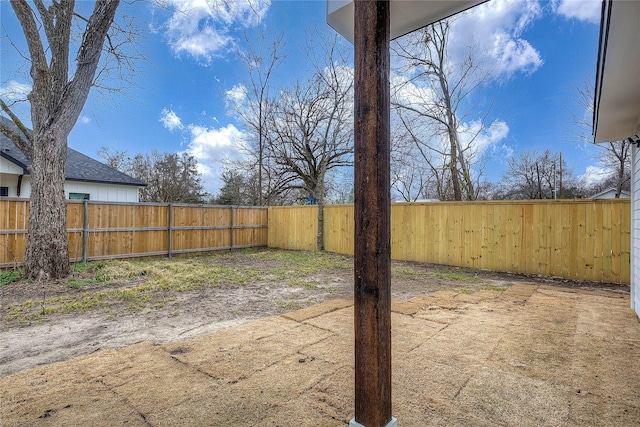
(575, 239)
(127, 230)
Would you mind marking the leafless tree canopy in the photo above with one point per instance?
(170, 177)
(298, 138)
(538, 176)
(614, 156)
(252, 104)
(306, 130)
(435, 156)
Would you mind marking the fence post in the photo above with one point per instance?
(85, 230)
(170, 230)
(232, 231)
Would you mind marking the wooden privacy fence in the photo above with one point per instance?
(573, 239)
(99, 230)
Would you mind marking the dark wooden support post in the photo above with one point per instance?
(372, 288)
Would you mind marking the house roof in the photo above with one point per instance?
(405, 15)
(79, 167)
(617, 91)
(610, 191)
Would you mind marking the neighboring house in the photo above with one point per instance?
(617, 104)
(610, 193)
(85, 178)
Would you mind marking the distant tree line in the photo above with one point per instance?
(300, 137)
(298, 145)
(170, 177)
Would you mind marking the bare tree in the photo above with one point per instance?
(56, 100)
(419, 170)
(251, 102)
(170, 177)
(430, 105)
(311, 129)
(615, 156)
(538, 176)
(116, 159)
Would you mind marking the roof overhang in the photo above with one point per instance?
(406, 15)
(617, 90)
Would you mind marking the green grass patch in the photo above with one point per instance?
(467, 291)
(494, 288)
(300, 283)
(458, 275)
(83, 283)
(449, 274)
(290, 305)
(301, 263)
(409, 273)
(92, 266)
(9, 276)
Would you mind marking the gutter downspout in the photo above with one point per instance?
(19, 186)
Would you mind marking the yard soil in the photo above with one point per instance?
(176, 315)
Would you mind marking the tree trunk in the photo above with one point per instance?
(453, 167)
(47, 255)
(319, 195)
(320, 236)
(56, 103)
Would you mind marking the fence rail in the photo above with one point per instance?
(99, 230)
(573, 239)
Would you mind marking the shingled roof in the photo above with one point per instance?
(79, 167)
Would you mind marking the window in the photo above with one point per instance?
(79, 196)
(4, 191)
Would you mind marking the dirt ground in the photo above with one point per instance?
(175, 315)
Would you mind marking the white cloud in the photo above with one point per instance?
(202, 28)
(513, 55)
(407, 93)
(473, 132)
(593, 175)
(485, 137)
(209, 146)
(84, 120)
(236, 96)
(494, 30)
(15, 91)
(170, 120)
(582, 10)
(502, 152)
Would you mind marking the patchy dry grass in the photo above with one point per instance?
(131, 286)
(453, 274)
(139, 285)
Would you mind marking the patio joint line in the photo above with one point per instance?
(126, 401)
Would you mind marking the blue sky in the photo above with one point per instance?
(542, 51)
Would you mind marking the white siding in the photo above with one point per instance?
(97, 192)
(9, 173)
(11, 181)
(103, 192)
(8, 167)
(635, 230)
